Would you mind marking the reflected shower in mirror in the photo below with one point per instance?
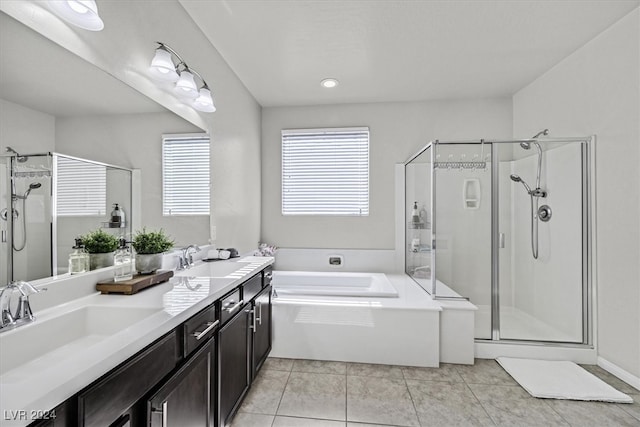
(54, 199)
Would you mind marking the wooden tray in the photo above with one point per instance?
(136, 284)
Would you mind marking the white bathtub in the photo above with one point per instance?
(354, 317)
(333, 284)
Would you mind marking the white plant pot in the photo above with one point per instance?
(148, 263)
(100, 260)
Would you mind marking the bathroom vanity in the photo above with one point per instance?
(207, 344)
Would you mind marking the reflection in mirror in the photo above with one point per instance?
(76, 108)
(54, 199)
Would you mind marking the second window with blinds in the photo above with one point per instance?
(325, 171)
(185, 174)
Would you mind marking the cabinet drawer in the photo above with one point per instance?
(252, 287)
(199, 329)
(104, 402)
(229, 306)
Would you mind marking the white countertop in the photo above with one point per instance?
(48, 379)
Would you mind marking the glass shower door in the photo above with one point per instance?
(462, 227)
(541, 232)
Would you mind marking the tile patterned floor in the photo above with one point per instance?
(310, 393)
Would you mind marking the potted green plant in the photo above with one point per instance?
(149, 247)
(101, 246)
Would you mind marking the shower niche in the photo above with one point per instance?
(509, 229)
(49, 199)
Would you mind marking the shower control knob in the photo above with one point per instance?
(544, 213)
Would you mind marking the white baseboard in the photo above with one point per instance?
(617, 371)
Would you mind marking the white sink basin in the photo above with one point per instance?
(44, 340)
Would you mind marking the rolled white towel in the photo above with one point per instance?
(218, 254)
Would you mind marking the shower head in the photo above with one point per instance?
(19, 158)
(544, 132)
(525, 145)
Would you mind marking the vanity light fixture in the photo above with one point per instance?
(329, 83)
(163, 68)
(81, 13)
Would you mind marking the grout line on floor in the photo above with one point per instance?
(413, 403)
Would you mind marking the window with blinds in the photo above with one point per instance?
(185, 174)
(325, 171)
(81, 188)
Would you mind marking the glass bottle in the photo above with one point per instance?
(78, 259)
(122, 261)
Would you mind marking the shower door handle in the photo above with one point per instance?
(501, 240)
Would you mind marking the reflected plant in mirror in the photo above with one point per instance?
(101, 246)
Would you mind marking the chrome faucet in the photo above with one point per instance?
(23, 313)
(186, 259)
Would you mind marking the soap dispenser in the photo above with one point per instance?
(78, 259)
(123, 267)
(117, 217)
(415, 216)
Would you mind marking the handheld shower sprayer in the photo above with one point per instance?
(516, 178)
(32, 186)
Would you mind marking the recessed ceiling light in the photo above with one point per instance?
(329, 83)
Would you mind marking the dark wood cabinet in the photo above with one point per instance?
(112, 400)
(234, 371)
(261, 330)
(196, 375)
(187, 398)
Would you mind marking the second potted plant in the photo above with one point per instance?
(149, 247)
(101, 246)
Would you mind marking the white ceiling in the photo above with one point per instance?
(396, 50)
(37, 73)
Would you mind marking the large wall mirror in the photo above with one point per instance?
(51, 102)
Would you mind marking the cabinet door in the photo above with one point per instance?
(186, 399)
(234, 369)
(262, 330)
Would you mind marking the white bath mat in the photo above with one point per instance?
(560, 380)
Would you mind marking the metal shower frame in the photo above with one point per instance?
(588, 235)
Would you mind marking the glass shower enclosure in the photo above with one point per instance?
(505, 225)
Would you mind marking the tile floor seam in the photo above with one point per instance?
(281, 396)
(412, 401)
(495, 423)
(555, 411)
(346, 395)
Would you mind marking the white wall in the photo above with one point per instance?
(134, 141)
(596, 90)
(397, 131)
(25, 129)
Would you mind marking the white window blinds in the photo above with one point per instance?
(81, 188)
(325, 171)
(185, 174)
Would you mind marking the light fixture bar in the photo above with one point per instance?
(164, 68)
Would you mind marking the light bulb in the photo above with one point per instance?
(81, 13)
(186, 86)
(204, 102)
(162, 67)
